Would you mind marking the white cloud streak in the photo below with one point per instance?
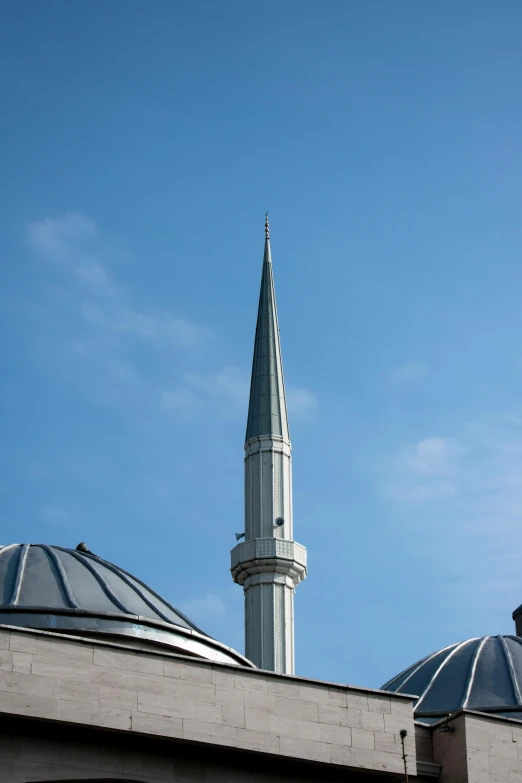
(471, 489)
(159, 329)
(55, 515)
(426, 470)
(76, 242)
(300, 401)
(209, 604)
(108, 358)
(58, 239)
(409, 374)
(229, 387)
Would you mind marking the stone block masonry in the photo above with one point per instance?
(100, 684)
(479, 749)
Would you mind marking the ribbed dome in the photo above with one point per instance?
(478, 674)
(66, 590)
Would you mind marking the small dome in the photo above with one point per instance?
(478, 674)
(74, 591)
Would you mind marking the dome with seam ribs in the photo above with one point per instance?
(482, 674)
(74, 591)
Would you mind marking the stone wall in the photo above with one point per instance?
(479, 749)
(493, 750)
(449, 749)
(423, 743)
(32, 751)
(98, 684)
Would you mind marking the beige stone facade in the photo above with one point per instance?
(84, 709)
(97, 684)
(479, 749)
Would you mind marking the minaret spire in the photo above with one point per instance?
(269, 564)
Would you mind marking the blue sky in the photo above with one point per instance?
(141, 145)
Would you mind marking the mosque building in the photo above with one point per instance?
(102, 679)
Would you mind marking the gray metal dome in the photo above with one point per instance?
(71, 591)
(478, 674)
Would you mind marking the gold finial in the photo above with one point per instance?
(267, 227)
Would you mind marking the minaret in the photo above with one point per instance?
(268, 563)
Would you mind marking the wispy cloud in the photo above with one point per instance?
(230, 384)
(300, 401)
(106, 338)
(59, 238)
(409, 373)
(471, 489)
(227, 388)
(105, 304)
(431, 456)
(230, 387)
(425, 470)
(207, 605)
(55, 515)
(162, 329)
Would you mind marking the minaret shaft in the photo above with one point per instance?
(268, 488)
(269, 563)
(269, 626)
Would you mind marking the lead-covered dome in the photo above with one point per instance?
(71, 591)
(478, 674)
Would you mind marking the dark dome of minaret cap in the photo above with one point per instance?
(75, 591)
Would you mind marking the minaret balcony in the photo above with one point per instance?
(269, 556)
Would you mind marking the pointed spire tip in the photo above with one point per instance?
(267, 227)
